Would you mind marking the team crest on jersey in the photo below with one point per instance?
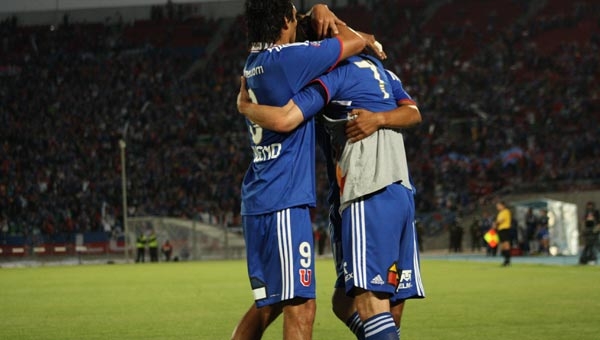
(315, 43)
(392, 276)
(305, 277)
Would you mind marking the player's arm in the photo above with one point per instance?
(365, 122)
(326, 24)
(353, 42)
(406, 115)
(282, 118)
(275, 118)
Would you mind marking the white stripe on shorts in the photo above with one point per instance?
(416, 266)
(285, 254)
(359, 242)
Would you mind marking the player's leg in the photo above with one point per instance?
(397, 308)
(254, 323)
(344, 309)
(374, 310)
(410, 285)
(296, 249)
(298, 319)
(279, 252)
(370, 304)
(371, 241)
(342, 305)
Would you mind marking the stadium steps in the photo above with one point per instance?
(212, 231)
(217, 40)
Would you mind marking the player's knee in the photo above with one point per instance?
(342, 305)
(301, 308)
(370, 303)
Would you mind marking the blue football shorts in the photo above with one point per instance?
(375, 244)
(279, 252)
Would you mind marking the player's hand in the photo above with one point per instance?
(364, 124)
(324, 21)
(374, 47)
(243, 97)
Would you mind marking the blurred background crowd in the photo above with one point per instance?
(508, 91)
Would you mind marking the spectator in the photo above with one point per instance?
(531, 223)
(167, 250)
(476, 235)
(153, 246)
(543, 233)
(591, 230)
(140, 245)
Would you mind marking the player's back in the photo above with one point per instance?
(378, 160)
(281, 174)
(358, 82)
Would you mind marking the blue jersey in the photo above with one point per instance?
(310, 102)
(373, 239)
(381, 214)
(376, 161)
(358, 82)
(353, 85)
(282, 173)
(400, 94)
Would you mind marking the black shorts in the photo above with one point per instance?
(504, 235)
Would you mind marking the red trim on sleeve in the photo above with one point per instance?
(406, 102)
(324, 88)
(339, 56)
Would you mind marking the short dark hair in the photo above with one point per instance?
(305, 30)
(265, 19)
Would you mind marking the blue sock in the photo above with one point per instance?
(356, 326)
(381, 327)
(398, 329)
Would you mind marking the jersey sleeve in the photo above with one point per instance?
(402, 98)
(331, 83)
(311, 100)
(310, 59)
(314, 97)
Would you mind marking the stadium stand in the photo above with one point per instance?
(508, 94)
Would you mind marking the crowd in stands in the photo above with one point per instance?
(501, 108)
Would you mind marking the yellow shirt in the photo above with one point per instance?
(503, 219)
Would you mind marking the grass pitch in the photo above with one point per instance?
(205, 300)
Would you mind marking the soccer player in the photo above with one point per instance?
(378, 242)
(279, 186)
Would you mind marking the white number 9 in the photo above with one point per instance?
(306, 254)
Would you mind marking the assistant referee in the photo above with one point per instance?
(502, 226)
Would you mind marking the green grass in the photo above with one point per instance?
(205, 300)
